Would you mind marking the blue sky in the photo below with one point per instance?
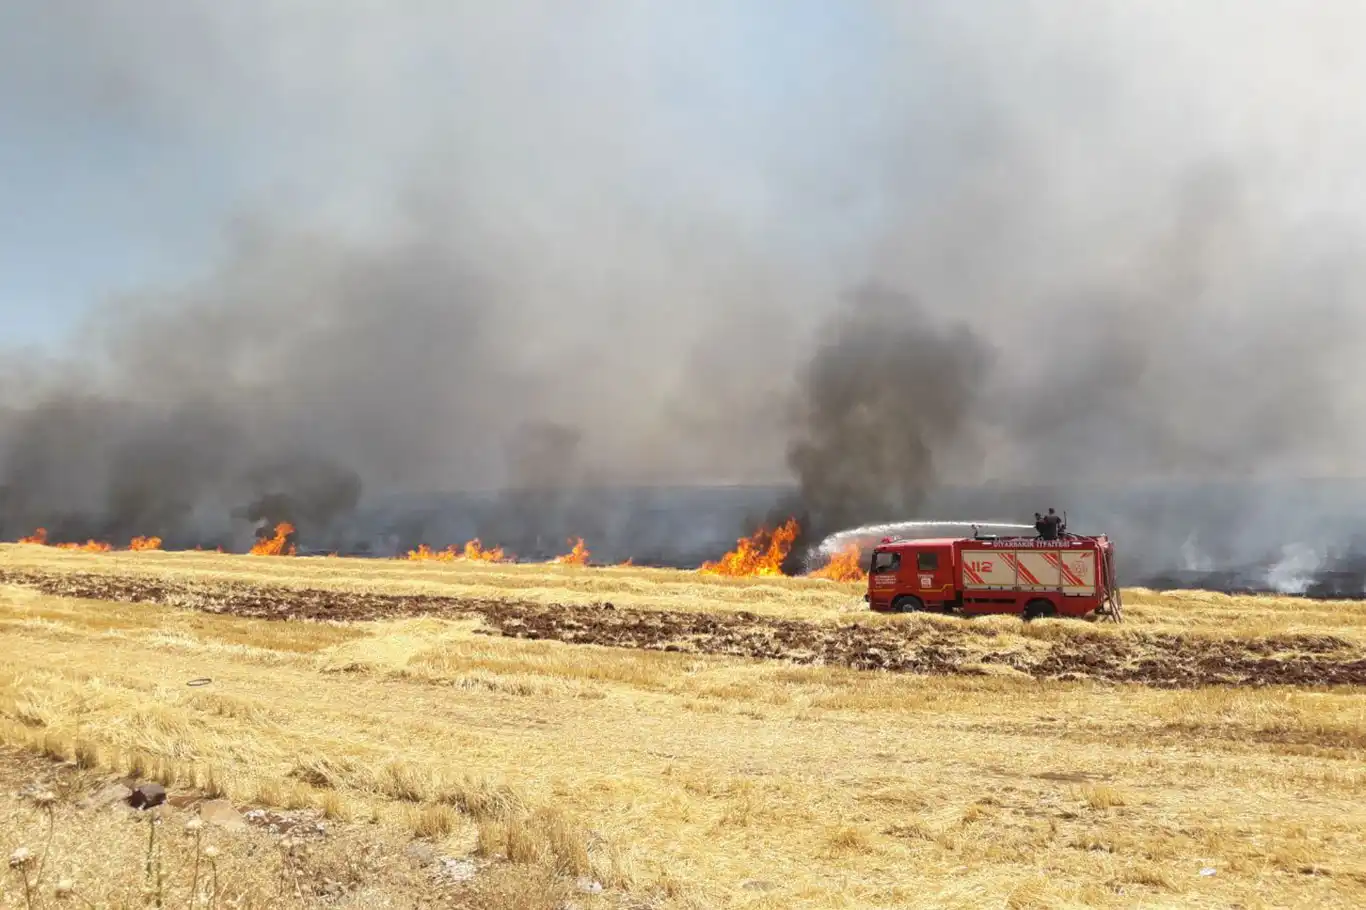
(90, 211)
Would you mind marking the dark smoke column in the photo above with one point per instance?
(887, 388)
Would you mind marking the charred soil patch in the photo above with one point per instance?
(1169, 661)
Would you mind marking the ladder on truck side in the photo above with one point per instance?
(1112, 606)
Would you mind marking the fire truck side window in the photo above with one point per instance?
(886, 562)
(927, 562)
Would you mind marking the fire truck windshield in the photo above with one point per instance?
(886, 562)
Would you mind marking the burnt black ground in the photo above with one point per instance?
(1135, 656)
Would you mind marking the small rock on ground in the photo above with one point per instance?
(146, 796)
(220, 813)
(457, 870)
(281, 823)
(422, 854)
(108, 795)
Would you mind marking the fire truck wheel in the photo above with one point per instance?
(907, 604)
(1038, 609)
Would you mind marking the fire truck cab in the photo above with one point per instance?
(1031, 577)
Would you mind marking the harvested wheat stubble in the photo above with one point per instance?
(1160, 660)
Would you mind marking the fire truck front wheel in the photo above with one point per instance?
(907, 604)
(1038, 609)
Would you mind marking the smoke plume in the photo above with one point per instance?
(886, 393)
(566, 263)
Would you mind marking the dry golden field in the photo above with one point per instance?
(466, 744)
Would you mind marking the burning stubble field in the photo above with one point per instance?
(475, 734)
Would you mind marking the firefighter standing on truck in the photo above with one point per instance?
(1053, 525)
(1049, 526)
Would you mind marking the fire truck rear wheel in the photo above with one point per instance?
(907, 604)
(1039, 609)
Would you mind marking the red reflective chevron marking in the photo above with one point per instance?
(1067, 574)
(1027, 575)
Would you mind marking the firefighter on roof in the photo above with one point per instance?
(1047, 525)
(1053, 526)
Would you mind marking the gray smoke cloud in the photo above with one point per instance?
(887, 388)
(881, 252)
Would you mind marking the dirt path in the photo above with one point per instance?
(1167, 661)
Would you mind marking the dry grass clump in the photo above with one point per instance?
(404, 781)
(433, 822)
(1103, 797)
(848, 839)
(335, 807)
(481, 799)
(543, 837)
(328, 771)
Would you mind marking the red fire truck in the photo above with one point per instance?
(1029, 576)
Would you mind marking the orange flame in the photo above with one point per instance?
(761, 554)
(843, 566)
(39, 538)
(278, 545)
(424, 552)
(473, 550)
(575, 557)
(90, 546)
